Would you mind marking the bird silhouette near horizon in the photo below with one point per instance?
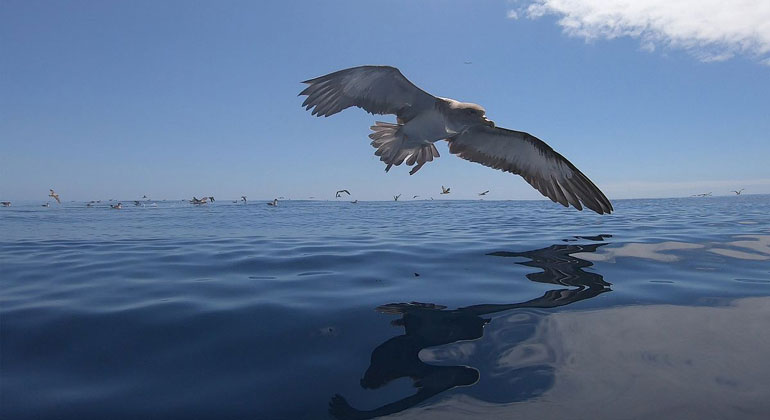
(445, 190)
(273, 203)
(738, 192)
(338, 194)
(396, 197)
(484, 193)
(423, 119)
(54, 195)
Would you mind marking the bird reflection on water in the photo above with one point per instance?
(429, 325)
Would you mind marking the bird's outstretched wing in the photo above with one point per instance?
(542, 167)
(376, 89)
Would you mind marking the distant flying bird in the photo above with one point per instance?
(354, 201)
(46, 205)
(144, 196)
(342, 191)
(273, 203)
(445, 190)
(415, 196)
(484, 193)
(5, 203)
(243, 197)
(708, 194)
(116, 206)
(55, 196)
(739, 191)
(423, 119)
(203, 200)
(396, 197)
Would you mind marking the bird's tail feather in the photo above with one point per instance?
(390, 144)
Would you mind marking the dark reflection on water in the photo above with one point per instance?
(429, 325)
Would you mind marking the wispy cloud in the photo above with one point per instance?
(711, 30)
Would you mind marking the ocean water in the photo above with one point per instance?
(421, 309)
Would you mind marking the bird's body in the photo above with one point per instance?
(396, 197)
(54, 195)
(354, 202)
(423, 119)
(445, 190)
(203, 200)
(273, 203)
(243, 198)
(484, 193)
(5, 203)
(738, 192)
(116, 206)
(46, 205)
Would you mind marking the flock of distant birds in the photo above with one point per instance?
(205, 200)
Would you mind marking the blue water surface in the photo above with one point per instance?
(411, 309)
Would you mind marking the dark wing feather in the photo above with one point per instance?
(542, 167)
(376, 89)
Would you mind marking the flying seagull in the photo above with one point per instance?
(414, 196)
(273, 203)
(5, 203)
(445, 190)
(342, 191)
(55, 196)
(739, 191)
(203, 200)
(396, 197)
(243, 198)
(423, 119)
(484, 193)
(354, 202)
(708, 194)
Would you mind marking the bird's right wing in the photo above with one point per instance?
(376, 89)
(542, 167)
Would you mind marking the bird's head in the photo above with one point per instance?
(469, 114)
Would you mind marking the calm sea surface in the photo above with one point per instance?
(423, 309)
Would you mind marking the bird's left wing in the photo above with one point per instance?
(542, 167)
(376, 89)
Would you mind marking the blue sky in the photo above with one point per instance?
(107, 99)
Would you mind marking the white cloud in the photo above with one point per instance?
(512, 14)
(711, 30)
